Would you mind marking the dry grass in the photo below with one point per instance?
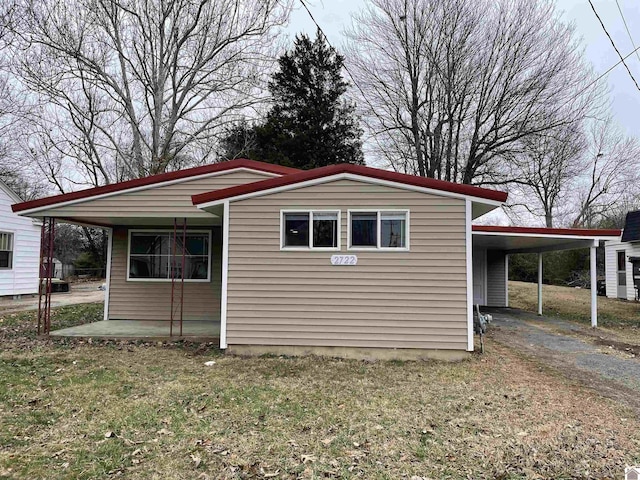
(172, 417)
(574, 304)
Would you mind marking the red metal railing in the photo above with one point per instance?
(177, 282)
(47, 236)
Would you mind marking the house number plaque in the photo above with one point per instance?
(344, 259)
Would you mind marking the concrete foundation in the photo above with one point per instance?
(356, 353)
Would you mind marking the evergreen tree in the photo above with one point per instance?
(310, 124)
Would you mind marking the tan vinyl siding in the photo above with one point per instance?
(164, 201)
(414, 299)
(496, 285)
(152, 300)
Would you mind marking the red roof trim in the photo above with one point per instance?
(154, 179)
(585, 232)
(330, 170)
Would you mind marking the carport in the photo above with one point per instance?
(492, 246)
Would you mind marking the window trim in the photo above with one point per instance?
(311, 212)
(379, 212)
(12, 251)
(167, 280)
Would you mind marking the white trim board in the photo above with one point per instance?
(144, 187)
(469, 258)
(349, 176)
(108, 273)
(225, 277)
(546, 235)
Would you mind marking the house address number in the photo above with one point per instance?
(344, 259)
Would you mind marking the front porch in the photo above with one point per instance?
(193, 330)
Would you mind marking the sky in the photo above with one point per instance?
(335, 15)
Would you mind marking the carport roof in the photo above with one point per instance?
(532, 239)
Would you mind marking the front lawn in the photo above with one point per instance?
(70, 409)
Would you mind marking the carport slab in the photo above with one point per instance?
(138, 329)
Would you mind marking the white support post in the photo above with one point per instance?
(506, 279)
(469, 259)
(539, 283)
(107, 279)
(594, 287)
(225, 276)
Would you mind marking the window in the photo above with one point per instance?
(387, 230)
(150, 256)
(6, 250)
(310, 229)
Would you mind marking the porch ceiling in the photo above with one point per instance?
(515, 243)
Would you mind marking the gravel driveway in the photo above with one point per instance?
(574, 350)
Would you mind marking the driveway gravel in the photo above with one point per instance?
(573, 350)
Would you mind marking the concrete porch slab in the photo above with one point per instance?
(138, 329)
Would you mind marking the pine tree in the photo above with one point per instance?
(310, 124)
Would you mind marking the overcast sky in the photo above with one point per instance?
(334, 15)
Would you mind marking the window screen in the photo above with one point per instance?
(325, 230)
(364, 229)
(151, 256)
(6, 250)
(296, 230)
(393, 230)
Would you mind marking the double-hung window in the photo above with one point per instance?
(6, 250)
(310, 229)
(157, 255)
(379, 229)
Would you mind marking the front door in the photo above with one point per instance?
(479, 268)
(622, 274)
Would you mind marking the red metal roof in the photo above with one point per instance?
(330, 170)
(585, 232)
(154, 179)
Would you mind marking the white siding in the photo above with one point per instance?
(611, 248)
(23, 277)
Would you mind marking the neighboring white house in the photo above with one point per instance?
(19, 248)
(618, 266)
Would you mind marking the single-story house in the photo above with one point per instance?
(618, 255)
(19, 248)
(342, 260)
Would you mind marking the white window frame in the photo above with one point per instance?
(311, 212)
(12, 236)
(379, 213)
(168, 279)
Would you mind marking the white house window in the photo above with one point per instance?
(6, 250)
(381, 229)
(150, 256)
(310, 230)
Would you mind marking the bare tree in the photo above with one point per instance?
(611, 175)
(451, 88)
(129, 88)
(543, 176)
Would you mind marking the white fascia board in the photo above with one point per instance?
(469, 271)
(350, 176)
(144, 187)
(545, 235)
